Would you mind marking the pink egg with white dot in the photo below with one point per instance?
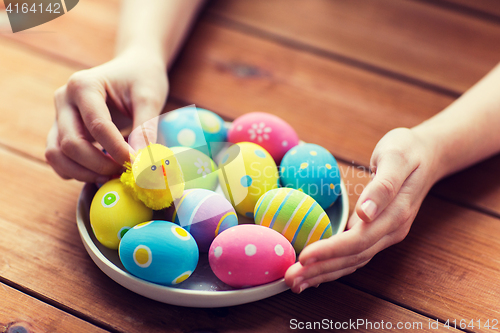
(265, 129)
(250, 255)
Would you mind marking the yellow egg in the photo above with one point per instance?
(113, 211)
(247, 171)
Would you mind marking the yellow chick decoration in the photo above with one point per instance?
(154, 177)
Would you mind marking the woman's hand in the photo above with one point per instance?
(404, 170)
(132, 86)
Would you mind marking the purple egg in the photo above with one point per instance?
(204, 214)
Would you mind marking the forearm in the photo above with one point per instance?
(468, 130)
(155, 27)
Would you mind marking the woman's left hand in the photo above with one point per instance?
(404, 171)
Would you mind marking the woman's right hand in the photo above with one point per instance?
(90, 107)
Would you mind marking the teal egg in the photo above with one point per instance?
(159, 251)
(193, 128)
(313, 170)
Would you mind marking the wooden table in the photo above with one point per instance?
(342, 73)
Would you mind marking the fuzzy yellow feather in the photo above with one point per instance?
(154, 177)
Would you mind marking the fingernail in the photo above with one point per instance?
(369, 208)
(102, 180)
(297, 281)
(310, 261)
(316, 286)
(303, 287)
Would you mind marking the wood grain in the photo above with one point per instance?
(477, 187)
(26, 92)
(320, 66)
(233, 73)
(476, 7)
(20, 311)
(415, 41)
(43, 253)
(450, 258)
(295, 85)
(83, 36)
(419, 40)
(359, 107)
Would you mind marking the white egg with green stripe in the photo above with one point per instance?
(294, 214)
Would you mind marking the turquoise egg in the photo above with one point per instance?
(159, 251)
(313, 170)
(193, 128)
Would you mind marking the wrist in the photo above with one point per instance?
(433, 151)
(143, 52)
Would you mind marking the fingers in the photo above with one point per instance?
(64, 166)
(75, 146)
(339, 255)
(392, 198)
(300, 277)
(348, 243)
(147, 108)
(393, 167)
(328, 276)
(295, 279)
(88, 96)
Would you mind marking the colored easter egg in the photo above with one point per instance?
(250, 255)
(204, 214)
(295, 215)
(266, 130)
(246, 172)
(313, 170)
(194, 128)
(114, 211)
(198, 169)
(159, 252)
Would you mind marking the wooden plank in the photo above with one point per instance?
(276, 79)
(294, 85)
(85, 35)
(446, 266)
(416, 39)
(478, 187)
(234, 73)
(30, 135)
(20, 311)
(476, 7)
(235, 68)
(26, 93)
(41, 245)
(450, 50)
(358, 107)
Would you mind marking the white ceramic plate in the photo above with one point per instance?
(203, 289)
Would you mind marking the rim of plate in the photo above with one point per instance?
(179, 296)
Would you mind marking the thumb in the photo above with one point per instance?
(146, 111)
(392, 169)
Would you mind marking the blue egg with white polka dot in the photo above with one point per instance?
(159, 251)
(194, 128)
(313, 170)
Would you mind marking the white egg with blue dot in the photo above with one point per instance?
(194, 128)
(159, 251)
(313, 170)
